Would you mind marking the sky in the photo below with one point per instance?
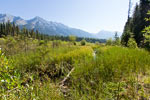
(89, 15)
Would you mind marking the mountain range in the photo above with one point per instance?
(103, 34)
(52, 28)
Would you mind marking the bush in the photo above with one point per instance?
(109, 42)
(74, 43)
(72, 38)
(97, 43)
(132, 43)
(9, 77)
(42, 42)
(83, 42)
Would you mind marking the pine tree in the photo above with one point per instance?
(127, 29)
(17, 30)
(136, 23)
(129, 10)
(144, 7)
(13, 29)
(126, 33)
(1, 30)
(117, 39)
(139, 20)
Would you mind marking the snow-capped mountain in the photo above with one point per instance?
(53, 28)
(43, 26)
(6, 17)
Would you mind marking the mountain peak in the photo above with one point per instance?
(6, 17)
(37, 19)
(44, 26)
(103, 34)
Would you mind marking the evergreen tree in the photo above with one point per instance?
(144, 7)
(135, 28)
(126, 34)
(17, 30)
(116, 36)
(13, 29)
(137, 23)
(117, 39)
(37, 34)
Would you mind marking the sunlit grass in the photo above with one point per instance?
(114, 73)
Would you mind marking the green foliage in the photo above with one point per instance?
(9, 29)
(132, 43)
(9, 78)
(42, 42)
(107, 78)
(83, 42)
(125, 37)
(146, 32)
(137, 23)
(117, 40)
(36, 69)
(32, 67)
(109, 42)
(72, 38)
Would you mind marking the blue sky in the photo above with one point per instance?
(89, 15)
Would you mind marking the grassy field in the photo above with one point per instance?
(58, 70)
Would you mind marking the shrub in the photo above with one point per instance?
(72, 38)
(41, 42)
(109, 42)
(146, 35)
(9, 77)
(97, 43)
(74, 43)
(83, 42)
(132, 43)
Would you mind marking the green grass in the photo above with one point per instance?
(114, 68)
(38, 67)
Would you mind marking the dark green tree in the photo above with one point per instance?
(137, 23)
(117, 39)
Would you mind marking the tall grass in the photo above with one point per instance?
(114, 73)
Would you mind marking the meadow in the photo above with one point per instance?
(32, 69)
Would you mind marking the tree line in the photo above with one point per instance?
(13, 30)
